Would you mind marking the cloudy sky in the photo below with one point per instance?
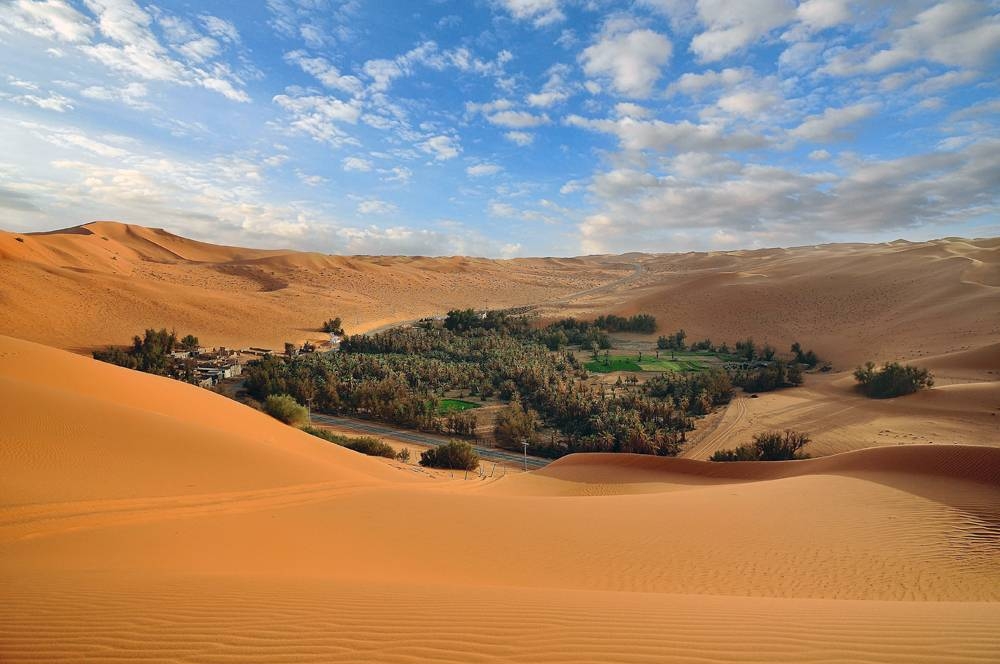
(504, 127)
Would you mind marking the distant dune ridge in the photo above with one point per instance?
(99, 283)
(144, 519)
(95, 284)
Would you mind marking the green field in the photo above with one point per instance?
(613, 363)
(446, 406)
(649, 363)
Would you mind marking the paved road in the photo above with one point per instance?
(364, 426)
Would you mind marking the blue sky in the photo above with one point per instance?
(504, 127)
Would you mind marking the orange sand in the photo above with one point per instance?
(145, 519)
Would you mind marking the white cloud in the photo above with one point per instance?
(681, 136)
(51, 19)
(732, 26)
(539, 12)
(781, 205)
(631, 58)
(748, 103)
(819, 155)
(399, 174)
(52, 101)
(828, 125)
(480, 170)
(957, 33)
(694, 85)
(630, 110)
(356, 164)
(131, 94)
(518, 119)
(555, 90)
(220, 27)
(320, 117)
(325, 72)
(820, 14)
(374, 206)
(441, 147)
(488, 107)
(310, 180)
(522, 138)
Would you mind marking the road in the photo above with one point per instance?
(363, 426)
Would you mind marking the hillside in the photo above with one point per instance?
(101, 282)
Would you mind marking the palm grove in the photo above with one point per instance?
(400, 375)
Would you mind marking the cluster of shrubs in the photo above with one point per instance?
(767, 377)
(768, 446)
(892, 380)
(363, 444)
(454, 455)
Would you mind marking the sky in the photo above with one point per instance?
(504, 128)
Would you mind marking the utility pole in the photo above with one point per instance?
(525, 443)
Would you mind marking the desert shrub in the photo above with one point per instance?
(403, 455)
(333, 326)
(285, 408)
(371, 447)
(767, 377)
(767, 446)
(892, 380)
(455, 455)
(364, 444)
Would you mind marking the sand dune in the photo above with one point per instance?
(850, 302)
(99, 283)
(144, 519)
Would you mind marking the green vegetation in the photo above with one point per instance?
(285, 408)
(151, 353)
(610, 363)
(333, 326)
(403, 455)
(768, 446)
(513, 426)
(892, 380)
(808, 358)
(445, 406)
(363, 444)
(454, 455)
(673, 342)
(395, 376)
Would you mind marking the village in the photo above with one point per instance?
(213, 365)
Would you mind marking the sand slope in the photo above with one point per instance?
(143, 519)
(100, 283)
(849, 302)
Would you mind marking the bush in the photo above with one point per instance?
(455, 455)
(892, 380)
(363, 444)
(403, 455)
(768, 446)
(285, 408)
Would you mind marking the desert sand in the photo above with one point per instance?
(100, 283)
(146, 519)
